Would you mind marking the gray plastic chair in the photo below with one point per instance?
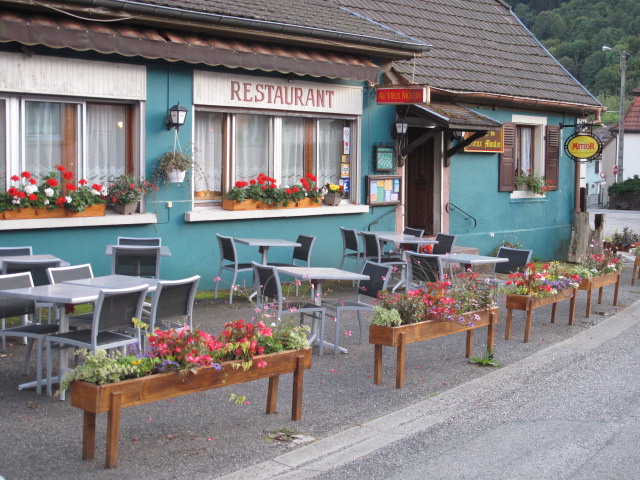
(14, 307)
(74, 272)
(373, 252)
(140, 241)
(378, 279)
(397, 255)
(268, 290)
(445, 244)
(172, 304)
(229, 261)
(350, 247)
(518, 260)
(301, 255)
(136, 261)
(115, 309)
(15, 251)
(423, 267)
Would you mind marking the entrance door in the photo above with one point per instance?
(420, 184)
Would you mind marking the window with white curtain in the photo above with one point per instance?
(92, 140)
(524, 149)
(283, 147)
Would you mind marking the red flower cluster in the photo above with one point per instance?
(186, 347)
(305, 181)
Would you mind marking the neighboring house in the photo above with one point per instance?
(286, 88)
(601, 170)
(484, 60)
(631, 144)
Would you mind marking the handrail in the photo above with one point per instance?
(468, 216)
(384, 215)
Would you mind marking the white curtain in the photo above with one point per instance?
(525, 149)
(3, 141)
(208, 138)
(292, 144)
(106, 142)
(43, 137)
(329, 150)
(253, 148)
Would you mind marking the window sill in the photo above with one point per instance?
(111, 218)
(217, 214)
(526, 196)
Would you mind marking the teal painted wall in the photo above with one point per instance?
(543, 225)
(193, 245)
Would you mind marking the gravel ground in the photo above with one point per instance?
(205, 435)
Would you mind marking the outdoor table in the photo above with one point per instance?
(469, 259)
(264, 243)
(116, 281)
(318, 275)
(28, 258)
(61, 294)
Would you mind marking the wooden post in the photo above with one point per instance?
(572, 305)
(615, 292)
(469, 343)
(272, 394)
(589, 292)
(491, 333)
(377, 364)
(88, 435)
(507, 327)
(113, 430)
(296, 400)
(401, 360)
(527, 325)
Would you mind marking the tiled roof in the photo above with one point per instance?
(632, 118)
(479, 46)
(452, 116)
(311, 18)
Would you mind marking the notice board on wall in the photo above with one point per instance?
(384, 190)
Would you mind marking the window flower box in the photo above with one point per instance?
(112, 397)
(250, 204)
(528, 303)
(26, 213)
(403, 335)
(599, 282)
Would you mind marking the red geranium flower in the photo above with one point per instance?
(25, 174)
(60, 168)
(52, 182)
(33, 197)
(71, 186)
(252, 182)
(67, 175)
(296, 189)
(33, 181)
(21, 195)
(289, 191)
(83, 182)
(15, 178)
(264, 187)
(61, 201)
(13, 191)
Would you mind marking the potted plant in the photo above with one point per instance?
(126, 191)
(179, 362)
(532, 289)
(333, 194)
(535, 183)
(621, 241)
(172, 166)
(598, 271)
(437, 310)
(56, 196)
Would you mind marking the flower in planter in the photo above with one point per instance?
(593, 265)
(536, 183)
(55, 191)
(334, 189)
(128, 189)
(265, 189)
(553, 278)
(635, 249)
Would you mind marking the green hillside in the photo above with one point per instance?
(574, 31)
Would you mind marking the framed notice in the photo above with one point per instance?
(384, 158)
(384, 190)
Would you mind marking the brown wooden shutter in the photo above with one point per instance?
(507, 172)
(552, 155)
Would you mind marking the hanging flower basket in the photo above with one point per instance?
(113, 397)
(403, 335)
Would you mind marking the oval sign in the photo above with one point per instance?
(583, 146)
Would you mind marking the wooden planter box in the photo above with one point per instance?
(113, 397)
(40, 213)
(256, 205)
(636, 264)
(403, 335)
(599, 282)
(528, 304)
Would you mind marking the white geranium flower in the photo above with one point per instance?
(48, 192)
(16, 200)
(68, 199)
(46, 202)
(29, 189)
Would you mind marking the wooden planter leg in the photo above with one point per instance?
(615, 292)
(113, 430)
(572, 306)
(527, 324)
(272, 394)
(88, 435)
(588, 302)
(491, 333)
(507, 328)
(401, 360)
(296, 401)
(600, 295)
(469, 343)
(377, 364)
(633, 275)
(554, 309)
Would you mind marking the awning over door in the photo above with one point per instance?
(154, 43)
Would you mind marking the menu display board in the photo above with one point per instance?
(384, 189)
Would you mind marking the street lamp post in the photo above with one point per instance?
(623, 77)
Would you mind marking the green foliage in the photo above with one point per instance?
(487, 360)
(629, 185)
(409, 306)
(128, 189)
(385, 318)
(626, 237)
(574, 31)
